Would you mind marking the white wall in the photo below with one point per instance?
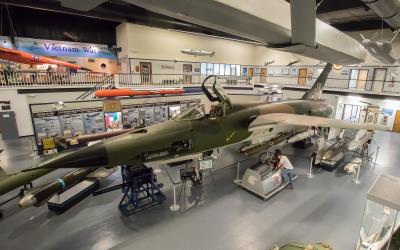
(382, 103)
(20, 105)
(139, 41)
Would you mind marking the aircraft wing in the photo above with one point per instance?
(269, 120)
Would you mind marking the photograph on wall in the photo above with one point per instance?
(142, 115)
(149, 114)
(71, 123)
(163, 111)
(93, 120)
(270, 71)
(185, 104)
(257, 71)
(113, 121)
(174, 108)
(294, 72)
(130, 116)
(244, 71)
(46, 124)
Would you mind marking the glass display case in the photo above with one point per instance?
(380, 218)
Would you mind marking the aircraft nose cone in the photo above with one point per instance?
(27, 201)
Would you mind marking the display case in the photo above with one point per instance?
(380, 219)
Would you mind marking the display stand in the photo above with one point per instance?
(381, 214)
(140, 188)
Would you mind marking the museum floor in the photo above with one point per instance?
(327, 208)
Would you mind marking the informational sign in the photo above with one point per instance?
(93, 120)
(161, 111)
(112, 105)
(113, 121)
(46, 124)
(58, 48)
(130, 115)
(185, 104)
(173, 109)
(149, 114)
(71, 122)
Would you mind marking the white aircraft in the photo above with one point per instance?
(195, 53)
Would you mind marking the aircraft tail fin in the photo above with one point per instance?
(316, 90)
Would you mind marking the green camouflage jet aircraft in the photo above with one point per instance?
(193, 131)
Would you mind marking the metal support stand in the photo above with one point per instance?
(238, 169)
(376, 155)
(310, 174)
(140, 188)
(356, 181)
(174, 207)
(157, 170)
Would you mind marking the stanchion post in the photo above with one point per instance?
(313, 157)
(174, 207)
(237, 174)
(356, 181)
(157, 170)
(376, 155)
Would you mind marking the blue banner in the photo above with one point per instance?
(59, 48)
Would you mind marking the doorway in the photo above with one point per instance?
(263, 77)
(358, 78)
(396, 124)
(351, 112)
(145, 72)
(302, 76)
(378, 78)
(187, 73)
(362, 78)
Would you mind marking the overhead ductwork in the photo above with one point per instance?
(389, 10)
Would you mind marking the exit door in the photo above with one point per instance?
(358, 78)
(396, 124)
(187, 73)
(145, 72)
(302, 76)
(8, 125)
(263, 77)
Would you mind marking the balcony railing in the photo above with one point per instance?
(341, 84)
(26, 79)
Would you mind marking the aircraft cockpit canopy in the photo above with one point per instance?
(195, 112)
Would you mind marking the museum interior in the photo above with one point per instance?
(179, 124)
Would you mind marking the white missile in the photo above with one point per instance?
(351, 167)
(300, 136)
(193, 52)
(361, 138)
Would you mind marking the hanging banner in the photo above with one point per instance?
(58, 48)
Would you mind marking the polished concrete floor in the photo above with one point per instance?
(325, 208)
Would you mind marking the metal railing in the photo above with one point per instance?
(21, 79)
(340, 84)
(34, 79)
(174, 80)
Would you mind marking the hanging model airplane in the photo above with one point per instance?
(195, 53)
(18, 56)
(193, 131)
(381, 50)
